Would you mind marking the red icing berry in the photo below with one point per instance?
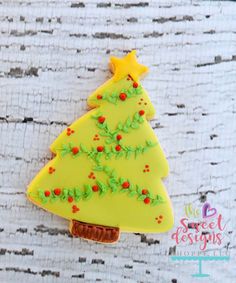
(91, 175)
(57, 191)
(70, 199)
(75, 209)
(118, 147)
(135, 85)
(160, 216)
(75, 150)
(146, 166)
(69, 131)
(119, 137)
(126, 185)
(95, 188)
(47, 193)
(144, 191)
(99, 96)
(123, 96)
(100, 148)
(51, 170)
(101, 119)
(141, 112)
(96, 137)
(146, 200)
(159, 221)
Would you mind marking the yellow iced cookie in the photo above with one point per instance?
(108, 165)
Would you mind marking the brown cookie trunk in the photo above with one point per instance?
(94, 232)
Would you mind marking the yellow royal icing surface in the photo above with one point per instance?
(109, 163)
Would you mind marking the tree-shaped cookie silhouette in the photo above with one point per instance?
(107, 172)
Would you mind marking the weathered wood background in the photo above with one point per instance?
(53, 55)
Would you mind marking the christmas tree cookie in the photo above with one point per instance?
(106, 176)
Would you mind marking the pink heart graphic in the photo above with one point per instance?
(207, 211)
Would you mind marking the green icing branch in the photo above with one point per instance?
(113, 185)
(125, 127)
(107, 151)
(114, 97)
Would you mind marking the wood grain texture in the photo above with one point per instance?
(53, 55)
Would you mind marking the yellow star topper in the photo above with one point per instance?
(127, 65)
